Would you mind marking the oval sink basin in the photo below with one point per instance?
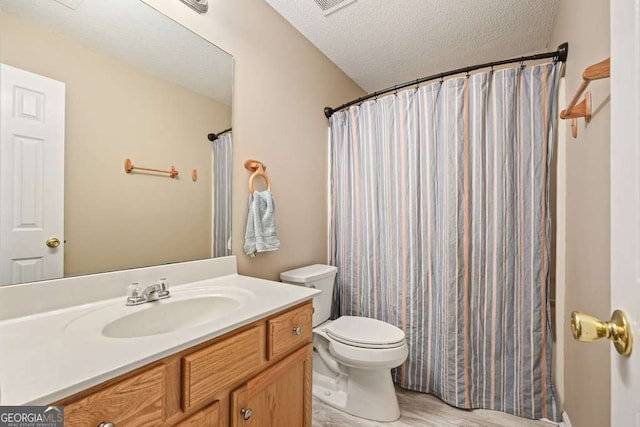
(170, 316)
(184, 310)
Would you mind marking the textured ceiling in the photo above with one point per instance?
(137, 34)
(380, 43)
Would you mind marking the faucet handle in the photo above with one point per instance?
(164, 288)
(133, 294)
(134, 290)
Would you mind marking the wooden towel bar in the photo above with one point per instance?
(598, 71)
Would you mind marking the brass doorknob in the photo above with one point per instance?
(587, 328)
(53, 242)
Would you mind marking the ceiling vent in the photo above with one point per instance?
(330, 6)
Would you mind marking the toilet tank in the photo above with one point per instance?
(317, 276)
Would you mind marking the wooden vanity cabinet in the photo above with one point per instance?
(256, 376)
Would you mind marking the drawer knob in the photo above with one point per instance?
(246, 413)
(106, 424)
(297, 330)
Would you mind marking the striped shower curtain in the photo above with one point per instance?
(440, 225)
(222, 169)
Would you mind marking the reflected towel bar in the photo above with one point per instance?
(129, 167)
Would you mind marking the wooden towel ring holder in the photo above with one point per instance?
(258, 169)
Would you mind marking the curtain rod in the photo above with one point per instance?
(559, 55)
(214, 136)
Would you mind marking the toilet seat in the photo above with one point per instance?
(365, 332)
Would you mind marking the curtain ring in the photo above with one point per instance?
(521, 64)
(492, 70)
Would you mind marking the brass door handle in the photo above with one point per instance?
(53, 242)
(587, 328)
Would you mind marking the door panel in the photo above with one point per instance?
(32, 128)
(625, 203)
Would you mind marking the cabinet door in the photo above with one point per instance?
(207, 417)
(279, 396)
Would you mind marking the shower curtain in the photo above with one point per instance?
(440, 225)
(222, 169)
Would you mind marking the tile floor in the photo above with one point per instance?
(419, 409)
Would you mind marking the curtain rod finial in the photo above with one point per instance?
(328, 112)
(563, 52)
(212, 137)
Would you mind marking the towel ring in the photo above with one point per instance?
(259, 173)
(258, 169)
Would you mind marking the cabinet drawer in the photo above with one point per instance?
(136, 401)
(207, 417)
(221, 365)
(289, 331)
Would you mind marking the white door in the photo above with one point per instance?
(625, 203)
(32, 109)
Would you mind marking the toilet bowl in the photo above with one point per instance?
(353, 356)
(355, 376)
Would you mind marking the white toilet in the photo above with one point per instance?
(353, 356)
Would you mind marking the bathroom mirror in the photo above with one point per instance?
(135, 85)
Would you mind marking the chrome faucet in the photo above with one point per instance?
(150, 293)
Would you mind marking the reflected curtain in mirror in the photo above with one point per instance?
(222, 170)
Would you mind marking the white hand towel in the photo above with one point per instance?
(261, 234)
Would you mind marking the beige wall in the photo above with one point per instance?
(113, 111)
(281, 85)
(586, 366)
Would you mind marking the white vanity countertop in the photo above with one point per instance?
(43, 359)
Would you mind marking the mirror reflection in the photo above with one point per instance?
(85, 85)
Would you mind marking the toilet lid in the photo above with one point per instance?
(365, 332)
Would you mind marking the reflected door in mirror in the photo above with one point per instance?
(32, 113)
